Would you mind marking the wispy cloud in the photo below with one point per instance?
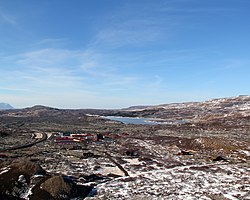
(14, 89)
(191, 7)
(61, 71)
(231, 64)
(7, 18)
(47, 57)
(140, 52)
(191, 10)
(41, 71)
(92, 74)
(51, 43)
(127, 28)
(116, 37)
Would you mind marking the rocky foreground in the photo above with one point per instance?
(205, 158)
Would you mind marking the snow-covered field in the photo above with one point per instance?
(220, 181)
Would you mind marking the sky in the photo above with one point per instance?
(119, 53)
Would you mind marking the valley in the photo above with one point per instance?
(50, 153)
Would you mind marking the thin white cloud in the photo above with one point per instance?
(116, 38)
(231, 64)
(190, 7)
(46, 57)
(125, 30)
(192, 10)
(42, 71)
(61, 71)
(51, 42)
(7, 18)
(14, 89)
(90, 59)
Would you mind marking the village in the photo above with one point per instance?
(85, 138)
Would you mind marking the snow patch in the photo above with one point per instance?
(247, 153)
(112, 170)
(6, 169)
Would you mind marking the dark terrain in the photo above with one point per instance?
(198, 150)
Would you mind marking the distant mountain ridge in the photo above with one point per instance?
(233, 112)
(5, 106)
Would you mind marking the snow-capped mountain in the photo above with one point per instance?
(5, 106)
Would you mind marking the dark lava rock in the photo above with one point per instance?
(17, 178)
(185, 153)
(14, 182)
(88, 155)
(219, 158)
(132, 153)
(4, 133)
(57, 187)
(147, 160)
(91, 178)
(28, 167)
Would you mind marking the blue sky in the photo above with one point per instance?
(117, 53)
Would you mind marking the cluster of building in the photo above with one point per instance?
(78, 137)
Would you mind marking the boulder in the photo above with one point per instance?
(27, 167)
(15, 179)
(58, 187)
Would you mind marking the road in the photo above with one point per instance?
(44, 137)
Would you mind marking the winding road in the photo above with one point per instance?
(44, 137)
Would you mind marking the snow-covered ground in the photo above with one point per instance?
(220, 181)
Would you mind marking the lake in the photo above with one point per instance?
(131, 120)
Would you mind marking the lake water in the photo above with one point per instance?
(131, 120)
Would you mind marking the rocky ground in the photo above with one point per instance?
(195, 160)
